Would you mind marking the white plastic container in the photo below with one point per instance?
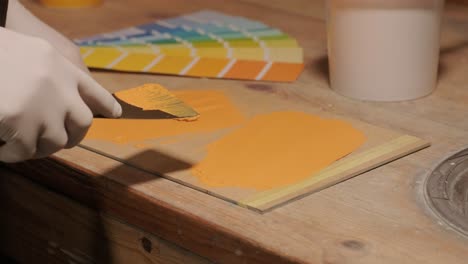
(384, 50)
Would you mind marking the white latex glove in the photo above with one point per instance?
(19, 19)
(46, 102)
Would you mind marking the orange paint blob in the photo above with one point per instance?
(276, 149)
(143, 96)
(216, 112)
(155, 97)
(147, 96)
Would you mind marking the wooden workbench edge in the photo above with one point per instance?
(157, 217)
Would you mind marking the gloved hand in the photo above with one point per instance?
(19, 19)
(46, 102)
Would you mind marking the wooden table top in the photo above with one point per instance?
(377, 217)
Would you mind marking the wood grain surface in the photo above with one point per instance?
(39, 226)
(378, 217)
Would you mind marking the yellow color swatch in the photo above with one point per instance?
(171, 65)
(212, 52)
(176, 50)
(292, 55)
(280, 43)
(208, 67)
(135, 62)
(84, 50)
(247, 53)
(101, 57)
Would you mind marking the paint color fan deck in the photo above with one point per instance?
(202, 44)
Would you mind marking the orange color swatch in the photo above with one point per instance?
(245, 70)
(275, 150)
(216, 112)
(280, 71)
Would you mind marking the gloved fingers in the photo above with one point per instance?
(17, 136)
(17, 150)
(53, 139)
(77, 123)
(7, 133)
(99, 100)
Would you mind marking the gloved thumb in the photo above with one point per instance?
(98, 99)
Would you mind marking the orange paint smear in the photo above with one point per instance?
(275, 150)
(216, 112)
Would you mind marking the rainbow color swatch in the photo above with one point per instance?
(202, 44)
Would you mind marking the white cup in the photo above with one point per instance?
(383, 50)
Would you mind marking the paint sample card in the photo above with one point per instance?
(202, 44)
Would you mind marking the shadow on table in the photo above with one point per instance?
(447, 51)
(39, 232)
